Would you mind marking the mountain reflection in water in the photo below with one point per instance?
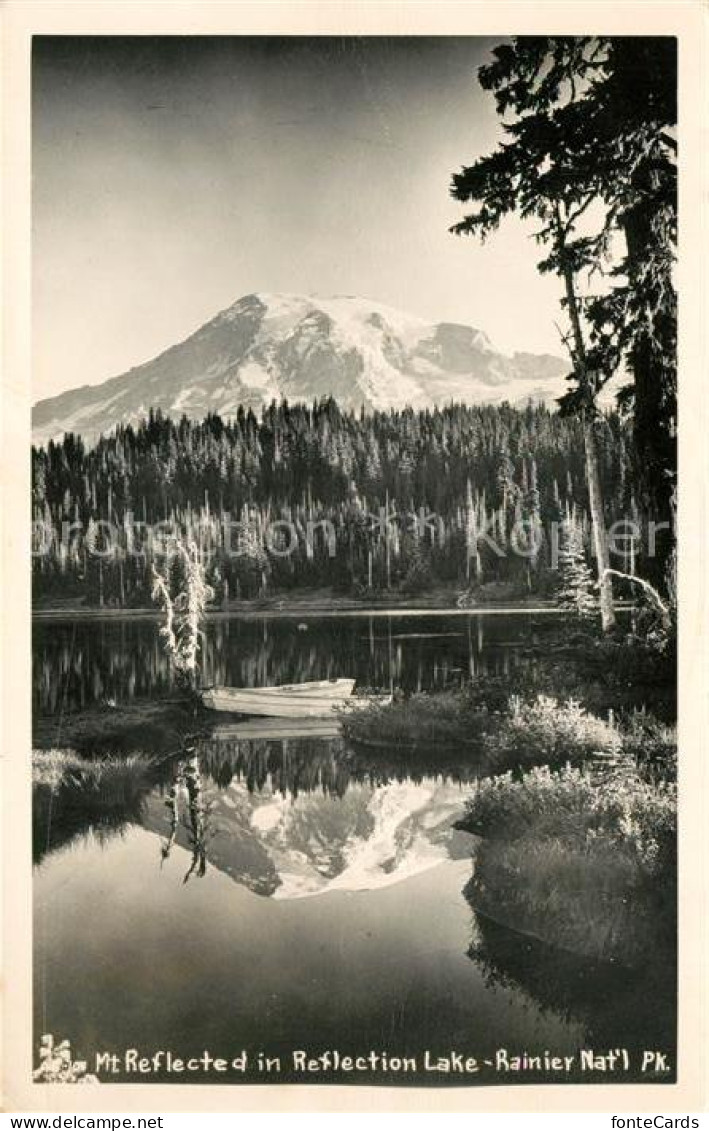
(286, 817)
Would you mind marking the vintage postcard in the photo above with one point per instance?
(353, 604)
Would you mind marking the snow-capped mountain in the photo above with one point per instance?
(274, 346)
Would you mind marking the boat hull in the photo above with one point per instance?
(304, 726)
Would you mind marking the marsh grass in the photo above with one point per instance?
(130, 728)
(444, 719)
(72, 796)
(111, 779)
(49, 766)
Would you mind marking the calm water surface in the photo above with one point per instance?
(280, 894)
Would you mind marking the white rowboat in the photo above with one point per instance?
(293, 701)
(314, 726)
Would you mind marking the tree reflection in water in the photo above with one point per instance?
(616, 1006)
(291, 766)
(187, 783)
(76, 664)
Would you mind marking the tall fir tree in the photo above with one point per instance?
(608, 104)
(575, 589)
(532, 174)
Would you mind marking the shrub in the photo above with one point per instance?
(503, 808)
(629, 813)
(547, 732)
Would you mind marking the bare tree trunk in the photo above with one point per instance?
(599, 526)
(387, 546)
(595, 492)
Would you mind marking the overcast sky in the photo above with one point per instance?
(173, 176)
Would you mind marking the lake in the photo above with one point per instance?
(261, 898)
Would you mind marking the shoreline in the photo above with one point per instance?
(278, 608)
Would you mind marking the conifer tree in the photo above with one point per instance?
(534, 173)
(575, 590)
(609, 106)
(448, 447)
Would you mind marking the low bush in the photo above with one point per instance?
(545, 732)
(505, 808)
(631, 814)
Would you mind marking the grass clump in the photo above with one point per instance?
(111, 779)
(49, 766)
(72, 796)
(441, 719)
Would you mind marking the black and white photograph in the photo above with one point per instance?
(354, 560)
